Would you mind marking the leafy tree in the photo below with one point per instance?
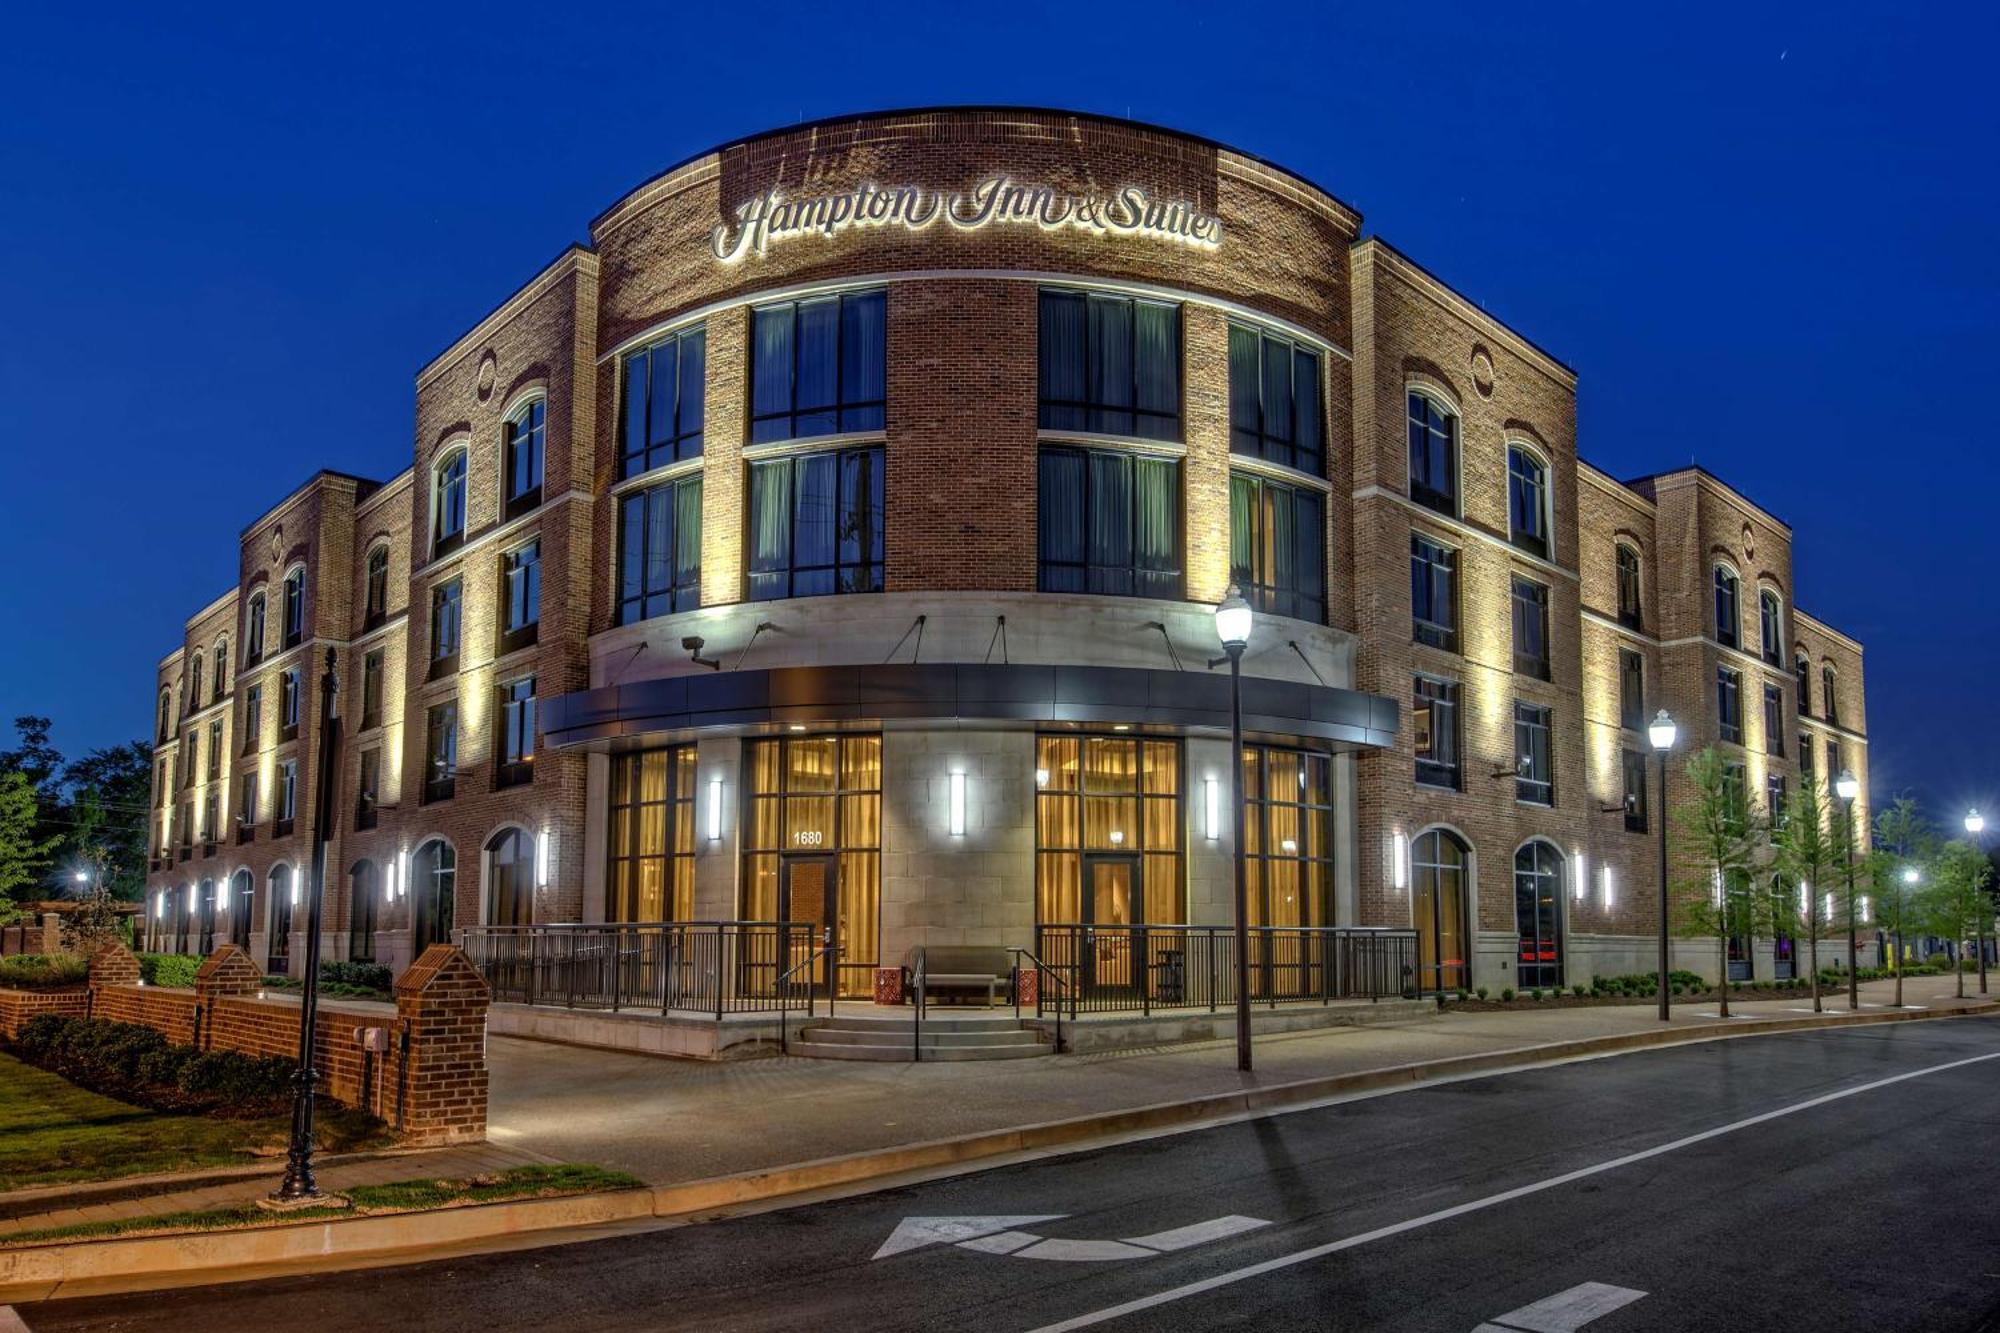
(1807, 859)
(1724, 836)
(96, 923)
(1955, 903)
(1905, 840)
(109, 790)
(23, 851)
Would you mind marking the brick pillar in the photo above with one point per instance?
(113, 965)
(51, 933)
(441, 1003)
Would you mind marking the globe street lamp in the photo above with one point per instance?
(1232, 627)
(1975, 825)
(1661, 733)
(1846, 788)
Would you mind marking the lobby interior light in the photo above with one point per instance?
(1845, 787)
(1975, 824)
(1041, 777)
(1211, 805)
(715, 809)
(1118, 837)
(1232, 620)
(957, 791)
(1662, 731)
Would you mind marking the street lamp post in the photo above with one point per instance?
(1975, 825)
(1232, 626)
(1910, 877)
(1846, 788)
(1661, 733)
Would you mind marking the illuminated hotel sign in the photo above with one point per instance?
(772, 217)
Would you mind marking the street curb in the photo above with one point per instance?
(39, 1272)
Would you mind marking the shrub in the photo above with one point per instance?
(139, 1064)
(1481, 992)
(44, 971)
(1507, 994)
(1463, 997)
(231, 1076)
(1577, 991)
(168, 969)
(360, 976)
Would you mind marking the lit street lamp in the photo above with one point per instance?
(1232, 626)
(1846, 788)
(1661, 733)
(1975, 825)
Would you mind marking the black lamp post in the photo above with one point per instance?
(1661, 733)
(1232, 626)
(1846, 788)
(1975, 826)
(299, 1187)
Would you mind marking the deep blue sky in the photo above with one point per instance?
(1765, 239)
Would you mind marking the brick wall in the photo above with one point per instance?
(18, 1006)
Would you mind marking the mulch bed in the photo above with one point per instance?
(1569, 1001)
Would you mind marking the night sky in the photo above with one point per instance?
(1766, 242)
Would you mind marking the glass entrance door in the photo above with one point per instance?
(1112, 894)
(807, 898)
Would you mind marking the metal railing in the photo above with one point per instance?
(788, 985)
(1043, 974)
(704, 967)
(1114, 969)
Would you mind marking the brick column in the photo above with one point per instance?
(441, 1003)
(113, 965)
(51, 933)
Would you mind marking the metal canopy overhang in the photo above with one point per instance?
(960, 693)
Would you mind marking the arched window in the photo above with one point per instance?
(1438, 906)
(1771, 626)
(364, 897)
(205, 918)
(253, 629)
(510, 864)
(377, 596)
(221, 659)
(1728, 607)
(166, 713)
(241, 906)
(1804, 669)
(1629, 601)
(1538, 871)
(1433, 455)
(1829, 707)
(295, 606)
(523, 453)
(448, 502)
(1528, 507)
(278, 919)
(433, 893)
(194, 683)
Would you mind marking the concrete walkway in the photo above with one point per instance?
(667, 1120)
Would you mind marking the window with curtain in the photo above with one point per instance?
(520, 596)
(1434, 729)
(1628, 588)
(1433, 455)
(510, 864)
(816, 524)
(1527, 500)
(1277, 546)
(1534, 762)
(819, 367)
(1433, 593)
(1288, 842)
(1109, 522)
(517, 733)
(659, 550)
(1438, 907)
(1728, 613)
(1274, 399)
(652, 835)
(1729, 703)
(663, 417)
(522, 448)
(1631, 690)
(1108, 796)
(1110, 365)
(1531, 628)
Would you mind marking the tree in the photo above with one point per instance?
(108, 795)
(1807, 858)
(1955, 903)
(1905, 841)
(96, 923)
(23, 851)
(1724, 836)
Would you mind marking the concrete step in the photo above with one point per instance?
(958, 1021)
(899, 1052)
(859, 1036)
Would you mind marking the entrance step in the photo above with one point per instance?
(945, 1037)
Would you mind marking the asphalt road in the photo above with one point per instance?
(1829, 1180)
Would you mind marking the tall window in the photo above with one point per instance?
(1527, 500)
(1531, 628)
(1631, 690)
(1110, 365)
(288, 705)
(285, 811)
(517, 733)
(1774, 798)
(521, 595)
(214, 750)
(652, 835)
(1834, 766)
(166, 728)
(1634, 765)
(510, 865)
(1770, 624)
(1803, 670)
(1288, 837)
(221, 659)
(376, 604)
(663, 403)
(194, 700)
(1629, 612)
(362, 901)
(1433, 455)
(523, 452)
(1729, 703)
(818, 366)
(1108, 831)
(441, 751)
(659, 558)
(253, 630)
(1534, 764)
(371, 689)
(447, 607)
(1433, 593)
(433, 893)
(246, 806)
(368, 790)
(1434, 726)
(1829, 705)
(295, 607)
(278, 905)
(1805, 754)
(448, 503)
(1538, 872)
(1274, 399)
(1728, 613)
(253, 718)
(1110, 522)
(1774, 720)
(816, 524)
(1277, 546)
(1438, 907)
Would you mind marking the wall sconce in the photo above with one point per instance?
(1399, 861)
(957, 791)
(1582, 877)
(1829, 907)
(542, 859)
(1211, 804)
(1604, 875)
(1805, 899)
(160, 906)
(1867, 911)
(715, 809)
(1715, 881)
(399, 873)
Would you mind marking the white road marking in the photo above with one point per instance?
(1490, 1201)
(916, 1232)
(1085, 1251)
(1567, 1311)
(11, 1321)
(997, 1235)
(1005, 1243)
(1201, 1233)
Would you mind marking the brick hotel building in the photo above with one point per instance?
(835, 539)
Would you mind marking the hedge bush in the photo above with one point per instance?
(138, 1064)
(168, 969)
(44, 971)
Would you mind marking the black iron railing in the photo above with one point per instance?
(702, 967)
(1110, 969)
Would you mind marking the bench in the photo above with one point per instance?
(959, 967)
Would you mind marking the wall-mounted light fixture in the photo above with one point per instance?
(1829, 906)
(160, 906)
(1604, 877)
(956, 788)
(1399, 861)
(1805, 899)
(1582, 876)
(399, 874)
(1715, 887)
(542, 858)
(1211, 804)
(715, 809)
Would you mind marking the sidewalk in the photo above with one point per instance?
(668, 1121)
